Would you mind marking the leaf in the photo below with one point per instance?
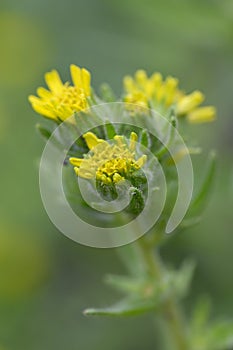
(199, 324)
(148, 294)
(145, 139)
(126, 307)
(206, 335)
(183, 277)
(45, 133)
(175, 282)
(126, 284)
(110, 131)
(215, 336)
(106, 93)
(221, 335)
(169, 139)
(201, 313)
(186, 223)
(200, 199)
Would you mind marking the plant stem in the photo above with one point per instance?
(173, 319)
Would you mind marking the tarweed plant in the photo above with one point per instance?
(116, 171)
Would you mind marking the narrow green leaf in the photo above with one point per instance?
(106, 93)
(145, 139)
(125, 284)
(45, 133)
(201, 197)
(183, 277)
(170, 138)
(127, 307)
(187, 223)
(201, 313)
(110, 131)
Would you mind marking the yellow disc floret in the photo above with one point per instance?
(62, 100)
(108, 162)
(144, 91)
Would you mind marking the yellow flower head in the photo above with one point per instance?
(145, 91)
(108, 162)
(62, 100)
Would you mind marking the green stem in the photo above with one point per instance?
(173, 319)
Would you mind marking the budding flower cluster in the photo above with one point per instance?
(109, 160)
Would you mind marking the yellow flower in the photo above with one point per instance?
(108, 162)
(62, 100)
(144, 91)
(202, 114)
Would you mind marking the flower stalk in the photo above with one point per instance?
(172, 318)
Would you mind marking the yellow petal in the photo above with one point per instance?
(84, 173)
(133, 140)
(102, 177)
(86, 81)
(75, 161)
(42, 110)
(202, 115)
(141, 77)
(171, 82)
(170, 90)
(76, 76)
(33, 99)
(53, 81)
(129, 84)
(189, 102)
(141, 161)
(44, 93)
(119, 139)
(156, 78)
(117, 178)
(92, 140)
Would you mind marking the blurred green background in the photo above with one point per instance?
(45, 279)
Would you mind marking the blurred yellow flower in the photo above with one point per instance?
(62, 100)
(108, 162)
(202, 114)
(153, 91)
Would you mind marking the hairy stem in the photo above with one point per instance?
(173, 323)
